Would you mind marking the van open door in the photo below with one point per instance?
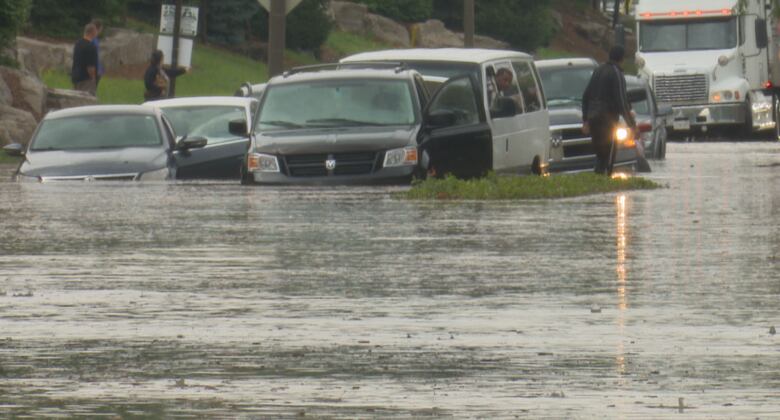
(455, 137)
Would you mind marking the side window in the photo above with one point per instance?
(529, 88)
(457, 96)
(501, 82)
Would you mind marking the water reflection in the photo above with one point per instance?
(622, 243)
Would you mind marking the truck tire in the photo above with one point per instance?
(747, 128)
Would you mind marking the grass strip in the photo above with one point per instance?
(495, 187)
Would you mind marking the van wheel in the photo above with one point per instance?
(536, 167)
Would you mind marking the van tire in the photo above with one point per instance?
(536, 167)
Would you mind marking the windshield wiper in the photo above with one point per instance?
(280, 123)
(342, 121)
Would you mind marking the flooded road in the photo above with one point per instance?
(219, 301)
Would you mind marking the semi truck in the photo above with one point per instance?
(714, 61)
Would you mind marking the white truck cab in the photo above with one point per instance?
(711, 60)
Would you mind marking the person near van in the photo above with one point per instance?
(506, 88)
(157, 78)
(85, 58)
(96, 42)
(603, 104)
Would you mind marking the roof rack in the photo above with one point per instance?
(396, 65)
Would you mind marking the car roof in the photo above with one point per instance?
(453, 55)
(202, 101)
(566, 62)
(81, 111)
(343, 73)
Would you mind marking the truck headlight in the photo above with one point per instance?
(259, 162)
(401, 157)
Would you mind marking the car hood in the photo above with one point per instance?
(565, 116)
(75, 163)
(291, 142)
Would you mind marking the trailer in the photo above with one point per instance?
(714, 61)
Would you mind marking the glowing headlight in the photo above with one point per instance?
(258, 162)
(621, 134)
(401, 157)
(158, 175)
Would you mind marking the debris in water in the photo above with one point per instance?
(595, 309)
(772, 330)
(680, 405)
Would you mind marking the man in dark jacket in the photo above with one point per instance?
(85, 61)
(603, 104)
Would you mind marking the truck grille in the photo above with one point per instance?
(681, 89)
(351, 163)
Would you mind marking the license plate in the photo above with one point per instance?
(682, 124)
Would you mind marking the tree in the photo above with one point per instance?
(13, 14)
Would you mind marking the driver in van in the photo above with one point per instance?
(505, 88)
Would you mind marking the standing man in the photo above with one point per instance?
(603, 104)
(96, 41)
(85, 60)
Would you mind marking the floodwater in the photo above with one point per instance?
(213, 300)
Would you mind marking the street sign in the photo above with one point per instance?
(289, 3)
(189, 20)
(165, 44)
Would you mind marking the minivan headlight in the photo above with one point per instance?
(401, 157)
(259, 162)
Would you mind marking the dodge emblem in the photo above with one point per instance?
(330, 164)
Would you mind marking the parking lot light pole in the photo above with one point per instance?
(276, 37)
(468, 23)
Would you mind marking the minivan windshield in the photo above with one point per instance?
(107, 131)
(699, 34)
(564, 86)
(337, 103)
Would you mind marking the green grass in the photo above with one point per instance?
(495, 187)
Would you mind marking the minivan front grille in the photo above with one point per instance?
(682, 89)
(349, 163)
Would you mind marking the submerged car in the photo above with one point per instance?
(365, 124)
(650, 117)
(110, 142)
(516, 116)
(210, 117)
(571, 150)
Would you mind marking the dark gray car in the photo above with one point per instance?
(129, 142)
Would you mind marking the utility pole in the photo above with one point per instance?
(175, 47)
(276, 37)
(468, 23)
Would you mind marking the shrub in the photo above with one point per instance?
(66, 18)
(402, 10)
(308, 25)
(13, 14)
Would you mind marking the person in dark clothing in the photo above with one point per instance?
(603, 104)
(157, 77)
(85, 58)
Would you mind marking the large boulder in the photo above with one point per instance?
(16, 125)
(123, 47)
(36, 56)
(6, 97)
(27, 90)
(349, 17)
(481, 41)
(66, 98)
(433, 34)
(386, 30)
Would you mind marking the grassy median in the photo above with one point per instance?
(495, 187)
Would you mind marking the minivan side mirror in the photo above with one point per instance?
(238, 127)
(188, 143)
(441, 118)
(505, 107)
(14, 149)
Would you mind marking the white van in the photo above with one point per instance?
(516, 116)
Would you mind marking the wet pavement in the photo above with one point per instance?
(212, 300)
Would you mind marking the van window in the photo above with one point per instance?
(526, 79)
(457, 96)
(501, 82)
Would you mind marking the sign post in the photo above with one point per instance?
(176, 24)
(175, 48)
(277, 16)
(468, 23)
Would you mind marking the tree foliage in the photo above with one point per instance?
(66, 18)
(13, 14)
(307, 25)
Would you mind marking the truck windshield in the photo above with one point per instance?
(674, 35)
(564, 86)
